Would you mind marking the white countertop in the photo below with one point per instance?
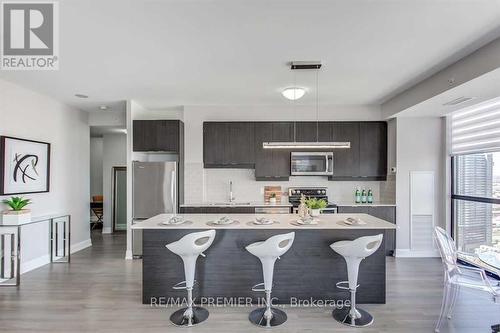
(373, 204)
(237, 204)
(325, 221)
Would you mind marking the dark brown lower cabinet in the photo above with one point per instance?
(387, 213)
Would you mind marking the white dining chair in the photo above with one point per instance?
(458, 276)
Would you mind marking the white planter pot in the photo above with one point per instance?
(315, 212)
(11, 217)
(272, 201)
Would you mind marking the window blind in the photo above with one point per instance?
(476, 129)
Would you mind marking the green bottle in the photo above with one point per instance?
(363, 196)
(357, 195)
(369, 199)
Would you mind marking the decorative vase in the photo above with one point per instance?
(16, 217)
(272, 201)
(315, 212)
(302, 210)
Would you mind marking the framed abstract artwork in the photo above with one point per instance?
(24, 166)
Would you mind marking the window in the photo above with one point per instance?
(476, 200)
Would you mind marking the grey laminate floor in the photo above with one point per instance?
(101, 292)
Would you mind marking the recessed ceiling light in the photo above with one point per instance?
(103, 107)
(81, 96)
(293, 93)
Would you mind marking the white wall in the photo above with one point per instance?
(114, 155)
(30, 115)
(107, 118)
(420, 147)
(96, 146)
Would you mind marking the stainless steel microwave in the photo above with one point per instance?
(311, 164)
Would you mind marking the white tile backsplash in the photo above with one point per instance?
(203, 185)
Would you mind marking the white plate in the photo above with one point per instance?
(175, 221)
(264, 222)
(351, 221)
(219, 223)
(301, 222)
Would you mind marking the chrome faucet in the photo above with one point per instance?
(231, 196)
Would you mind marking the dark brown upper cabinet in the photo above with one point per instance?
(346, 161)
(272, 164)
(367, 157)
(373, 150)
(228, 145)
(158, 135)
(312, 131)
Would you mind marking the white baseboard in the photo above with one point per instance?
(34, 263)
(80, 246)
(106, 230)
(45, 259)
(128, 255)
(407, 253)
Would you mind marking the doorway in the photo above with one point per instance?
(119, 198)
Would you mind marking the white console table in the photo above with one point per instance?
(10, 245)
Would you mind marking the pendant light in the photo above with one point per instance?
(304, 65)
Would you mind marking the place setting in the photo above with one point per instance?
(263, 221)
(175, 220)
(224, 220)
(352, 221)
(305, 221)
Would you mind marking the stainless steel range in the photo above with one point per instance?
(294, 194)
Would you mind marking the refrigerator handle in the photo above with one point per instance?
(172, 193)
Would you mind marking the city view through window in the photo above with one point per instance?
(477, 223)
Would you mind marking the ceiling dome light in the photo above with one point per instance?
(293, 93)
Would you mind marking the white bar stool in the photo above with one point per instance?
(189, 248)
(354, 252)
(268, 251)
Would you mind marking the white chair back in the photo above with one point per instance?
(447, 249)
(361, 247)
(192, 244)
(273, 247)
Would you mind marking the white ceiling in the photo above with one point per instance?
(183, 52)
(480, 89)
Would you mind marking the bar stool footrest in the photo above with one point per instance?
(259, 287)
(180, 286)
(341, 285)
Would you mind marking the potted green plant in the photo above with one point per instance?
(316, 205)
(272, 199)
(17, 214)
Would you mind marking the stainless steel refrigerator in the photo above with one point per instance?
(154, 191)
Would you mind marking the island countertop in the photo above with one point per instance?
(284, 222)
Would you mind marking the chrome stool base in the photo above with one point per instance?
(256, 317)
(342, 316)
(199, 315)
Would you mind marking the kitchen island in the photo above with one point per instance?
(308, 271)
